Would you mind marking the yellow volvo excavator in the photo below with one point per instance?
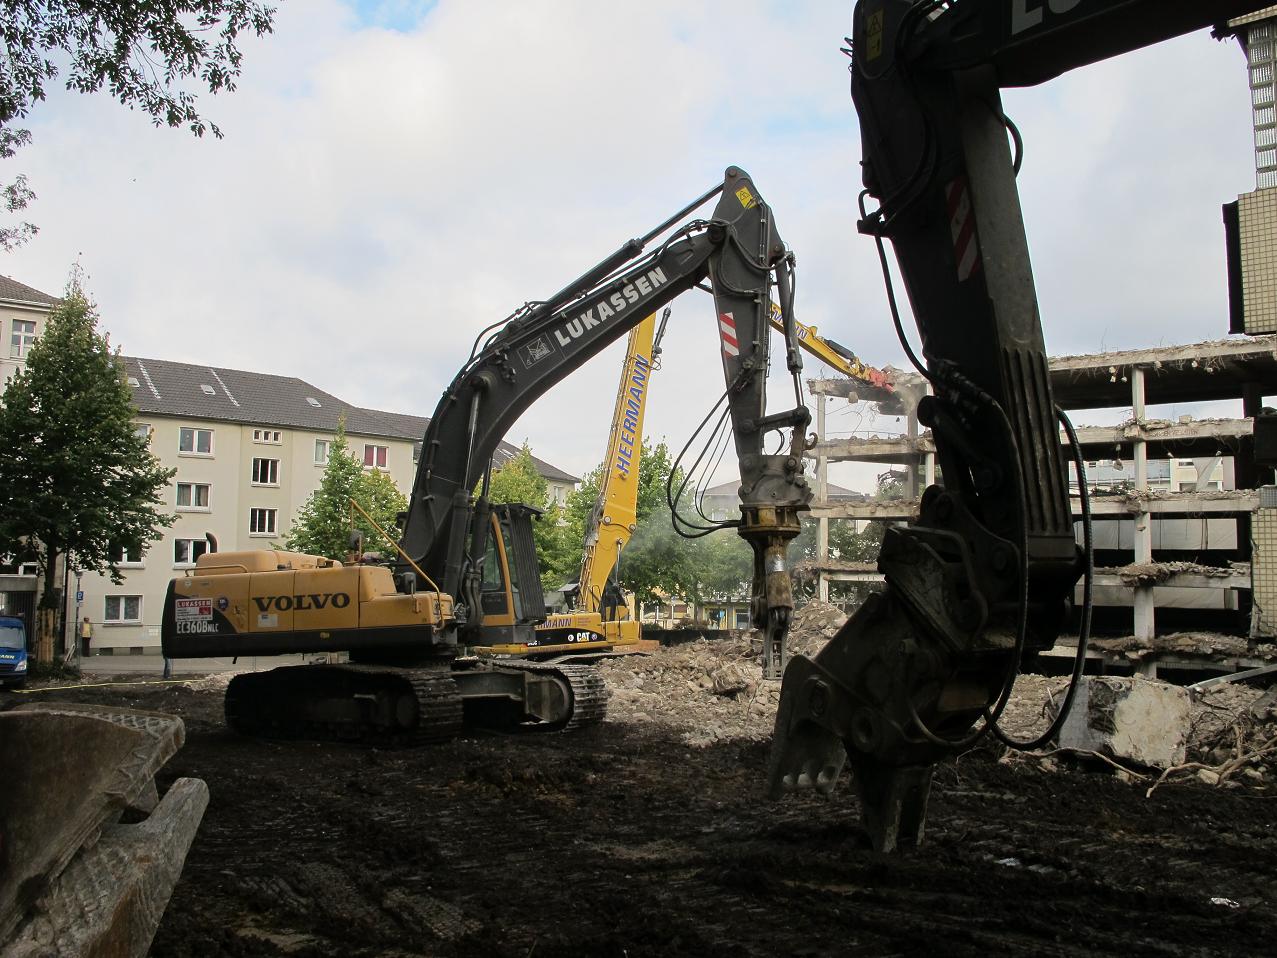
(467, 573)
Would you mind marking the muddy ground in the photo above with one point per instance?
(626, 839)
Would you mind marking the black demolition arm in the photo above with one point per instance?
(737, 251)
(987, 570)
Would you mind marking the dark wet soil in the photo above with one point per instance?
(620, 840)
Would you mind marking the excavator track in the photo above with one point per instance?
(589, 693)
(373, 705)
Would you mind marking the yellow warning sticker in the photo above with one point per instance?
(873, 34)
(746, 198)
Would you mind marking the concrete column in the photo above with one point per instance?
(911, 468)
(929, 460)
(1143, 597)
(822, 496)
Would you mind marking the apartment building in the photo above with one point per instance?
(248, 449)
(23, 312)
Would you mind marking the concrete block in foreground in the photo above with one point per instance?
(1135, 719)
(76, 879)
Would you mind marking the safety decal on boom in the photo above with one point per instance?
(535, 351)
(746, 198)
(966, 249)
(873, 32)
(727, 333)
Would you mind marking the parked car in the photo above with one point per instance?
(13, 651)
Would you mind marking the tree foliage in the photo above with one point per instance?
(518, 480)
(325, 521)
(145, 53)
(658, 562)
(77, 477)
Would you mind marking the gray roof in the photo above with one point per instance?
(234, 395)
(14, 292)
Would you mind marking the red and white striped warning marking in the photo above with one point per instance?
(966, 250)
(727, 333)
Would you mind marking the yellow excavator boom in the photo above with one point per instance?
(616, 509)
(832, 354)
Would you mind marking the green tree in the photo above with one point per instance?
(325, 521)
(658, 561)
(518, 480)
(78, 479)
(144, 53)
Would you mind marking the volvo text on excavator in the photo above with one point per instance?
(986, 573)
(467, 572)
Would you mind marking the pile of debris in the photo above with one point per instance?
(1206, 645)
(709, 691)
(1154, 573)
(712, 690)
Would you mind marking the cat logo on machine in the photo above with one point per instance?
(301, 603)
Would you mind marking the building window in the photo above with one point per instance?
(323, 449)
(192, 495)
(122, 609)
(265, 472)
(195, 442)
(143, 430)
(23, 338)
(186, 551)
(126, 556)
(375, 456)
(28, 568)
(267, 435)
(261, 522)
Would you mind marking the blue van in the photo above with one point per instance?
(13, 651)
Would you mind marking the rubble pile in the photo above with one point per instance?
(713, 691)
(1153, 573)
(813, 625)
(1206, 645)
(1233, 736)
(709, 691)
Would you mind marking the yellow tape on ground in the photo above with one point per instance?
(99, 685)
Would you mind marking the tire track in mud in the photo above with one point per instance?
(623, 840)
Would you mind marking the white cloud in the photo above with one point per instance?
(381, 194)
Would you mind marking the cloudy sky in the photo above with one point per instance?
(395, 176)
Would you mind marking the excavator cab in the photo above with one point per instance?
(511, 594)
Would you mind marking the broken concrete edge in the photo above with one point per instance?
(110, 754)
(110, 899)
(1136, 720)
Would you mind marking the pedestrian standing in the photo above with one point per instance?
(86, 636)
